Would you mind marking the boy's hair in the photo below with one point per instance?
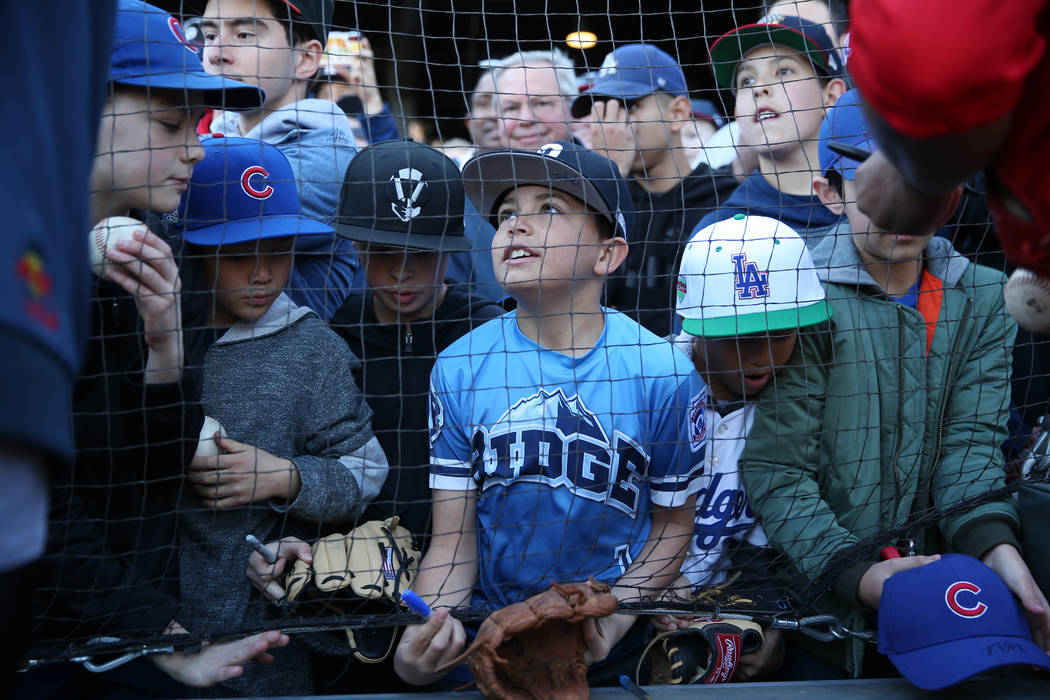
(296, 29)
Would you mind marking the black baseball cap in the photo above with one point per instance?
(403, 193)
(562, 165)
(315, 13)
(775, 29)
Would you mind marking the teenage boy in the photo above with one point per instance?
(783, 72)
(280, 382)
(746, 289)
(640, 104)
(410, 313)
(135, 410)
(566, 439)
(899, 409)
(277, 45)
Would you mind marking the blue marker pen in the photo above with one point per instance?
(412, 600)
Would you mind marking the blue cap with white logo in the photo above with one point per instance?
(844, 123)
(946, 621)
(151, 50)
(630, 73)
(243, 190)
(562, 165)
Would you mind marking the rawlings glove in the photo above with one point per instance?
(534, 650)
(373, 561)
(707, 651)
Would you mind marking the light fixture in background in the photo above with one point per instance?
(581, 40)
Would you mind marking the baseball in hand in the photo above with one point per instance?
(105, 234)
(1027, 299)
(206, 445)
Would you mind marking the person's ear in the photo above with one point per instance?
(679, 112)
(828, 196)
(308, 59)
(831, 93)
(613, 253)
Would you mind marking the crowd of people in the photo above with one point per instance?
(616, 336)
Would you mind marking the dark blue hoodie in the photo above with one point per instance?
(756, 197)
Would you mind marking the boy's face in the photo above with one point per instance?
(744, 365)
(147, 147)
(243, 41)
(654, 121)
(247, 278)
(779, 100)
(405, 283)
(544, 235)
(873, 244)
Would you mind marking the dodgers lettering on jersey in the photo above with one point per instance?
(567, 454)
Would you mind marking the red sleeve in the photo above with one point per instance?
(932, 67)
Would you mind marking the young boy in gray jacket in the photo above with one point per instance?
(279, 381)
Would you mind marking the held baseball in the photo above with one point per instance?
(1027, 298)
(206, 445)
(105, 234)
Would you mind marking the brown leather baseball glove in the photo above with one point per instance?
(534, 650)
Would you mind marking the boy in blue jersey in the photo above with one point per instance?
(566, 440)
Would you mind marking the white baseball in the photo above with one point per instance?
(1027, 299)
(206, 445)
(105, 234)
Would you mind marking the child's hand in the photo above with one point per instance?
(427, 647)
(612, 134)
(762, 662)
(869, 590)
(264, 576)
(602, 633)
(244, 475)
(216, 663)
(1005, 560)
(145, 268)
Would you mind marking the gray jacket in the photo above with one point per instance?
(314, 135)
(284, 385)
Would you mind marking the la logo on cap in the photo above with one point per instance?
(250, 189)
(952, 599)
(750, 282)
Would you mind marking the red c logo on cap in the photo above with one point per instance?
(951, 597)
(246, 182)
(176, 29)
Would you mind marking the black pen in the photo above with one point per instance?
(852, 152)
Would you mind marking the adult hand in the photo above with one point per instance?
(264, 576)
(893, 205)
(145, 268)
(612, 134)
(244, 475)
(1006, 561)
(761, 662)
(869, 590)
(427, 647)
(361, 77)
(216, 663)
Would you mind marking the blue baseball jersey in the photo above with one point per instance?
(566, 453)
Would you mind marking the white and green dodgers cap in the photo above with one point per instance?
(748, 274)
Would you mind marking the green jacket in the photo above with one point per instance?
(868, 431)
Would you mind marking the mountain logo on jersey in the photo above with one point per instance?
(749, 281)
(556, 440)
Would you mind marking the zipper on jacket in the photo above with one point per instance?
(900, 407)
(408, 337)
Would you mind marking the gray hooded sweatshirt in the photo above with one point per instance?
(283, 384)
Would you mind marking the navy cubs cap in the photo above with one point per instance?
(562, 165)
(946, 621)
(630, 73)
(775, 29)
(402, 193)
(844, 123)
(243, 190)
(151, 50)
